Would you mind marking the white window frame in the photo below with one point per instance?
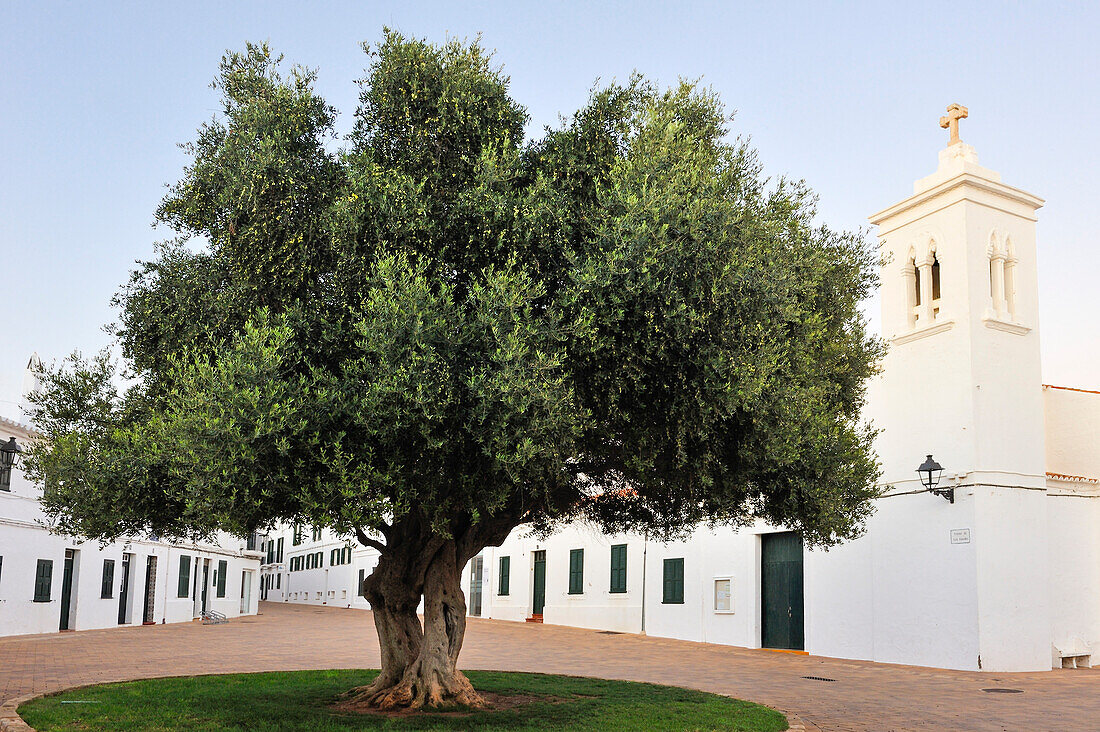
(714, 595)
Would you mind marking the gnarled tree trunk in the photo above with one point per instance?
(419, 662)
(433, 679)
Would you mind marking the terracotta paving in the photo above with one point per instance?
(861, 696)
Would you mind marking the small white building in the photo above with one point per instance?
(999, 572)
(50, 582)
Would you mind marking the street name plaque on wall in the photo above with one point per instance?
(960, 536)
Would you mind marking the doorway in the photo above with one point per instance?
(782, 603)
(124, 591)
(67, 590)
(538, 594)
(476, 569)
(205, 583)
(150, 590)
(196, 600)
(246, 591)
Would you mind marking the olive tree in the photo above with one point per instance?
(444, 327)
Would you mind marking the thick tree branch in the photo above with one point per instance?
(367, 541)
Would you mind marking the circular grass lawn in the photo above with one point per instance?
(305, 700)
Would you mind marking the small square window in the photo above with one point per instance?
(723, 597)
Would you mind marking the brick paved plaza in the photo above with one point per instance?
(862, 696)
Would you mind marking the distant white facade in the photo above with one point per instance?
(1005, 577)
(314, 566)
(50, 583)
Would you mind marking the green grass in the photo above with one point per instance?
(301, 701)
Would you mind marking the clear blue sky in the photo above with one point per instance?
(95, 97)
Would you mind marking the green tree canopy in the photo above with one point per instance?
(443, 330)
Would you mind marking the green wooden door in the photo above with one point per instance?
(205, 582)
(538, 600)
(124, 592)
(782, 606)
(67, 589)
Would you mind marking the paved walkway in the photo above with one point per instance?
(861, 696)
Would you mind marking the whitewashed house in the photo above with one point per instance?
(51, 583)
(998, 571)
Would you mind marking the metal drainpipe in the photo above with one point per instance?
(645, 549)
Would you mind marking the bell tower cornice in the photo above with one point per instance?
(964, 186)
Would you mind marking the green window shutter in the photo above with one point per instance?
(576, 571)
(347, 555)
(618, 568)
(505, 570)
(43, 580)
(674, 582)
(107, 585)
(332, 557)
(362, 576)
(296, 537)
(279, 551)
(183, 589)
(223, 569)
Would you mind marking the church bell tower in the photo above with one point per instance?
(962, 381)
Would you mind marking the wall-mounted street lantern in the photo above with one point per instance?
(930, 472)
(9, 451)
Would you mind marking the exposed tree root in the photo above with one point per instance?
(419, 689)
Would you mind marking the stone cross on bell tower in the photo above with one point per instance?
(954, 113)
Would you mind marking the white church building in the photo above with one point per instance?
(51, 583)
(998, 570)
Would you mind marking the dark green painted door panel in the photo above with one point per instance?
(782, 604)
(539, 598)
(124, 592)
(67, 590)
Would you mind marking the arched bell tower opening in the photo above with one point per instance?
(1001, 252)
(921, 283)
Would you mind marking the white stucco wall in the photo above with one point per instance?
(1073, 514)
(1074, 561)
(1072, 419)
